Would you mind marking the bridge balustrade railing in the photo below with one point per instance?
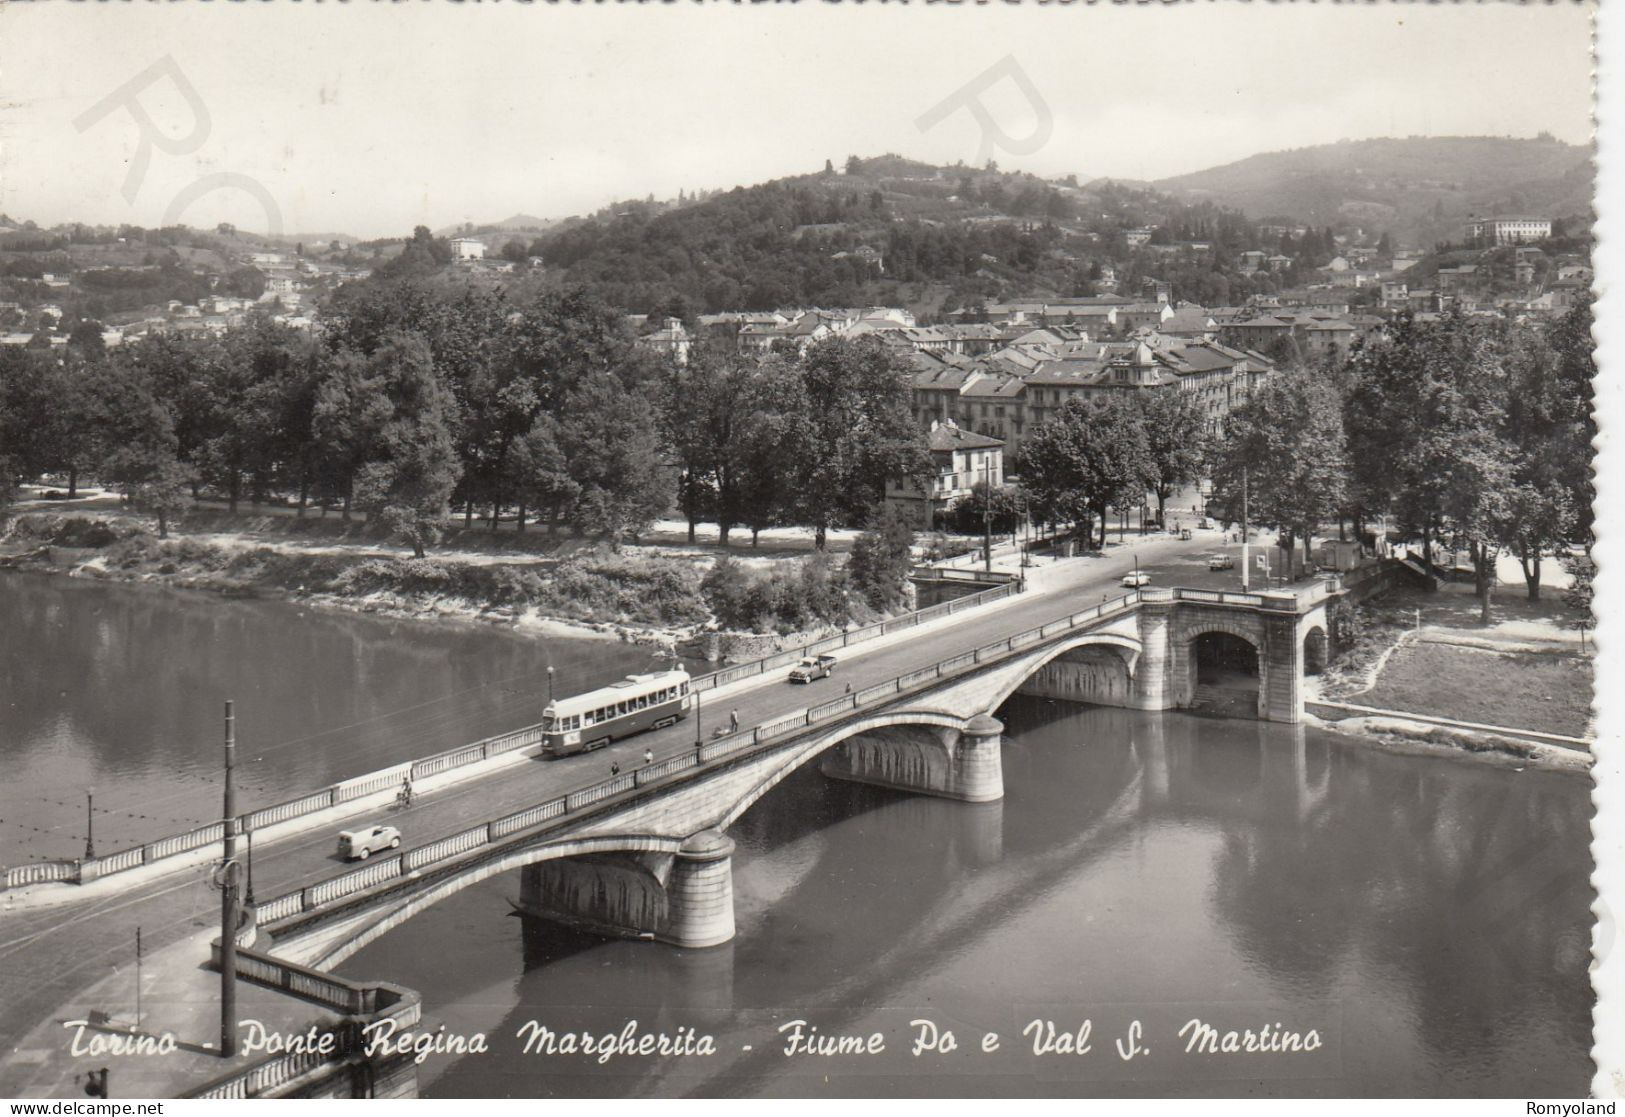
(626, 781)
(184, 843)
(727, 746)
(365, 1004)
(316, 895)
(662, 768)
(446, 847)
(525, 819)
(42, 872)
(354, 881)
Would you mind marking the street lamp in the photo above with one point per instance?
(550, 683)
(90, 823)
(698, 740)
(248, 894)
(987, 518)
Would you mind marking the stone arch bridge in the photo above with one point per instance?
(646, 855)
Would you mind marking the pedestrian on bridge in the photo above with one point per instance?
(733, 721)
(648, 756)
(614, 767)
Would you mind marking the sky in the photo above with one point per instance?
(366, 119)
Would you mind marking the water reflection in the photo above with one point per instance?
(120, 687)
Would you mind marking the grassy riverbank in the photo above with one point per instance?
(587, 586)
(1426, 653)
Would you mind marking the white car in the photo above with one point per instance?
(1136, 578)
(358, 845)
(817, 667)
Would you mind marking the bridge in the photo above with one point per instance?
(645, 854)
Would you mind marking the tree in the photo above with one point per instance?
(142, 460)
(1427, 412)
(997, 508)
(352, 407)
(1085, 459)
(1176, 436)
(1288, 441)
(612, 446)
(855, 432)
(541, 474)
(881, 560)
(410, 476)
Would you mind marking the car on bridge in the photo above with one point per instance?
(1136, 578)
(814, 667)
(1222, 562)
(358, 845)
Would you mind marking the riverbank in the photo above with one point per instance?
(643, 594)
(1420, 673)
(639, 598)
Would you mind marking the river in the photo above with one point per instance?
(119, 689)
(1424, 919)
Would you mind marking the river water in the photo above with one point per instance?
(1426, 918)
(120, 689)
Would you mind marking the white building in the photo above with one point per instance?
(467, 248)
(1508, 230)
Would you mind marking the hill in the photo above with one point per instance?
(1418, 189)
(883, 230)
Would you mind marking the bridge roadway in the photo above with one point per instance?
(47, 953)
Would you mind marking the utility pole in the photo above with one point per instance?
(1246, 575)
(228, 902)
(90, 823)
(987, 518)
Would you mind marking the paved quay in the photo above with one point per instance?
(180, 1006)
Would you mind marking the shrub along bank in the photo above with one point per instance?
(594, 587)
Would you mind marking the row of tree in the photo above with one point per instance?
(1471, 433)
(418, 397)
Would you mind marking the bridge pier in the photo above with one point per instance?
(685, 899)
(1280, 675)
(1153, 688)
(964, 764)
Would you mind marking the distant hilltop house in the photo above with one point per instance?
(1137, 237)
(671, 340)
(467, 248)
(1508, 230)
(865, 253)
(267, 259)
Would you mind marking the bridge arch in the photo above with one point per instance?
(1224, 654)
(1105, 679)
(947, 727)
(1316, 650)
(333, 939)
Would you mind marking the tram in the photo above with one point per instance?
(592, 720)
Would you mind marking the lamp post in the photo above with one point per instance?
(90, 823)
(228, 901)
(698, 739)
(987, 517)
(550, 684)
